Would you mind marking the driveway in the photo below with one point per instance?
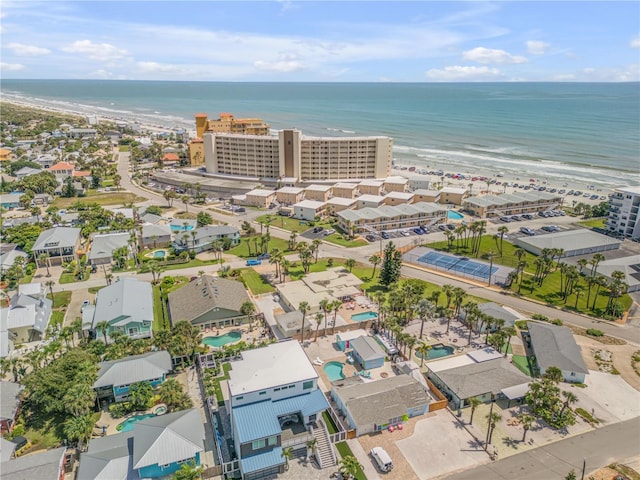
(439, 446)
(608, 407)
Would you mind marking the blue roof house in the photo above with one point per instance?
(274, 400)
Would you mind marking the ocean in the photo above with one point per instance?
(581, 132)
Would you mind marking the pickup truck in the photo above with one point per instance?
(253, 262)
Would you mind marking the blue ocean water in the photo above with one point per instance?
(585, 132)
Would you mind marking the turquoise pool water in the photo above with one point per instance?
(181, 228)
(334, 371)
(364, 316)
(159, 254)
(454, 215)
(221, 340)
(128, 424)
(437, 351)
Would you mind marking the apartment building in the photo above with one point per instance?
(511, 203)
(227, 123)
(624, 204)
(290, 154)
(388, 217)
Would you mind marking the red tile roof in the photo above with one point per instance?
(62, 166)
(81, 173)
(200, 115)
(170, 157)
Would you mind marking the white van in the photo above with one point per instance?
(382, 458)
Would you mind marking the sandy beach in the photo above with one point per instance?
(478, 187)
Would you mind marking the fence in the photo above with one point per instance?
(442, 401)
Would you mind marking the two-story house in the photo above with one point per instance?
(61, 244)
(274, 398)
(207, 238)
(126, 306)
(115, 377)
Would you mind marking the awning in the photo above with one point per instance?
(515, 392)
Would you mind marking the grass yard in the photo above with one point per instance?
(339, 239)
(71, 278)
(594, 222)
(521, 362)
(123, 148)
(159, 322)
(328, 421)
(256, 282)
(292, 224)
(60, 299)
(113, 198)
(191, 263)
(27, 278)
(57, 318)
(95, 290)
(242, 249)
(344, 450)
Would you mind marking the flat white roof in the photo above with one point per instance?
(484, 354)
(570, 240)
(400, 180)
(350, 335)
(294, 190)
(261, 193)
(349, 186)
(633, 190)
(319, 188)
(457, 190)
(371, 198)
(347, 202)
(449, 362)
(400, 195)
(309, 204)
(375, 183)
(274, 365)
(423, 191)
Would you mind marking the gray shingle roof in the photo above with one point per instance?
(479, 378)
(133, 369)
(555, 346)
(61, 236)
(9, 393)
(381, 400)
(367, 348)
(107, 458)
(168, 438)
(104, 245)
(203, 294)
(41, 466)
(496, 311)
(127, 299)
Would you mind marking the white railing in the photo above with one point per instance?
(297, 440)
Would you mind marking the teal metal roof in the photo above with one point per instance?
(260, 420)
(261, 461)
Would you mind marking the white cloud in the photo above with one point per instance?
(537, 47)
(459, 72)
(491, 56)
(11, 67)
(564, 77)
(635, 42)
(280, 66)
(95, 51)
(155, 67)
(28, 50)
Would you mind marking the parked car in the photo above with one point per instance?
(527, 231)
(418, 231)
(253, 262)
(442, 227)
(382, 459)
(370, 238)
(318, 229)
(528, 216)
(405, 233)
(86, 303)
(329, 231)
(505, 219)
(384, 235)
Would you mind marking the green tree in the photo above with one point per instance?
(141, 395)
(204, 218)
(474, 403)
(527, 422)
(78, 428)
(248, 309)
(423, 352)
(391, 265)
(493, 420)
(287, 454)
(375, 261)
(80, 399)
(304, 309)
(349, 466)
(103, 327)
(189, 471)
(350, 263)
(173, 395)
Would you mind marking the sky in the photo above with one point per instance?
(328, 41)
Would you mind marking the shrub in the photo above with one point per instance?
(595, 332)
(539, 316)
(556, 321)
(522, 324)
(586, 415)
(120, 409)
(330, 262)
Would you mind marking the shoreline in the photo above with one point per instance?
(477, 188)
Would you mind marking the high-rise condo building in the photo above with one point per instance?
(624, 204)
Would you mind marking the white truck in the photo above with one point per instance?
(382, 459)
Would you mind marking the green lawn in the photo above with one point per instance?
(113, 198)
(95, 289)
(57, 318)
(291, 224)
(158, 311)
(344, 450)
(60, 299)
(242, 250)
(521, 362)
(594, 222)
(26, 278)
(331, 425)
(191, 263)
(71, 278)
(338, 239)
(256, 282)
(123, 148)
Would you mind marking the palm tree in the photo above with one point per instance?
(50, 284)
(349, 466)
(80, 399)
(502, 231)
(318, 319)
(350, 263)
(44, 258)
(312, 447)
(526, 421)
(189, 471)
(247, 309)
(287, 453)
(375, 261)
(335, 306)
(303, 308)
(324, 306)
(103, 326)
(595, 261)
(493, 419)
(509, 332)
(316, 247)
(425, 310)
(474, 402)
(78, 427)
(569, 398)
(423, 352)
(491, 255)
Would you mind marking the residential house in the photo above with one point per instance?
(25, 172)
(289, 195)
(61, 244)
(390, 218)
(45, 465)
(155, 236)
(398, 198)
(183, 224)
(209, 302)
(9, 405)
(309, 210)
(155, 448)
(375, 406)
(419, 182)
(115, 377)
(259, 198)
(15, 221)
(290, 324)
(127, 306)
(83, 132)
(511, 203)
(26, 318)
(422, 195)
(554, 346)
(150, 218)
(371, 187)
(338, 204)
(103, 246)
(210, 237)
(367, 352)
(62, 170)
(8, 255)
(318, 193)
(345, 190)
(498, 312)
(46, 161)
(453, 195)
(369, 201)
(10, 200)
(396, 184)
(273, 397)
(6, 155)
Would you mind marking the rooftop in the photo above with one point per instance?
(57, 237)
(46, 465)
(313, 204)
(578, 239)
(104, 245)
(133, 369)
(271, 366)
(293, 190)
(124, 301)
(367, 348)
(555, 347)
(319, 188)
(258, 192)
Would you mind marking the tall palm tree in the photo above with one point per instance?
(248, 309)
(189, 471)
(44, 258)
(318, 319)
(312, 447)
(375, 261)
(595, 261)
(287, 453)
(502, 231)
(49, 284)
(474, 403)
(349, 466)
(493, 419)
(78, 427)
(335, 306)
(102, 327)
(350, 263)
(303, 308)
(526, 421)
(315, 244)
(569, 398)
(324, 306)
(425, 310)
(509, 332)
(423, 352)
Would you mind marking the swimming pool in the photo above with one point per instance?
(128, 424)
(334, 371)
(158, 254)
(221, 340)
(364, 316)
(454, 215)
(181, 228)
(437, 351)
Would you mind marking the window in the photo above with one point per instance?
(307, 385)
(277, 389)
(292, 386)
(264, 392)
(240, 397)
(257, 444)
(273, 441)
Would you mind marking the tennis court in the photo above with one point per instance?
(457, 264)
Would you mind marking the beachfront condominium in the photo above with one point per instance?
(290, 154)
(624, 204)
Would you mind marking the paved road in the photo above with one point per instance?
(630, 333)
(599, 448)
